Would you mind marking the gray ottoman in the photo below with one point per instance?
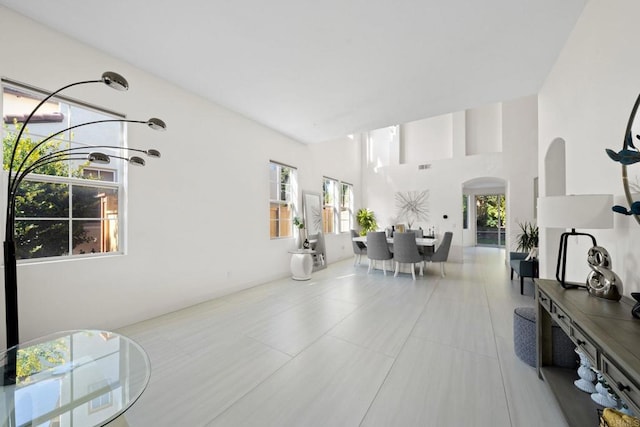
(524, 340)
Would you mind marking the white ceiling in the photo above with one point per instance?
(319, 70)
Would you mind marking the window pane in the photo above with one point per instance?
(281, 219)
(42, 238)
(345, 220)
(42, 200)
(99, 174)
(282, 185)
(90, 237)
(273, 181)
(94, 202)
(327, 220)
(465, 211)
(330, 207)
(286, 221)
(346, 207)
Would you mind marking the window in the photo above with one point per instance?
(337, 209)
(102, 401)
(346, 207)
(329, 205)
(283, 186)
(64, 208)
(465, 211)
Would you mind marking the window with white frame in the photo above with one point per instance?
(337, 209)
(64, 208)
(330, 200)
(346, 207)
(283, 186)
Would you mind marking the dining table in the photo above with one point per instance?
(420, 241)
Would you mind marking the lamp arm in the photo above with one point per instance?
(17, 141)
(55, 157)
(39, 144)
(12, 186)
(15, 147)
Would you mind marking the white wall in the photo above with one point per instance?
(483, 130)
(427, 140)
(520, 146)
(198, 219)
(516, 129)
(586, 101)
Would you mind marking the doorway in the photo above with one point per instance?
(490, 220)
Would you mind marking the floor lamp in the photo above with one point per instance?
(586, 211)
(18, 171)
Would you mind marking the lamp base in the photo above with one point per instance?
(561, 267)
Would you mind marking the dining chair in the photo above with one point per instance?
(359, 248)
(419, 232)
(405, 251)
(378, 249)
(442, 253)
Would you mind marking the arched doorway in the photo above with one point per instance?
(484, 212)
(555, 184)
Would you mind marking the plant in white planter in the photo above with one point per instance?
(527, 239)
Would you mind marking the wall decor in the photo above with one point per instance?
(602, 282)
(413, 206)
(629, 155)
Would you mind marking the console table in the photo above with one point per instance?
(73, 378)
(604, 331)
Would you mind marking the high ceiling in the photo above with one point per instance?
(319, 70)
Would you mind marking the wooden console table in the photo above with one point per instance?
(606, 333)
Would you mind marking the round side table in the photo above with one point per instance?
(301, 264)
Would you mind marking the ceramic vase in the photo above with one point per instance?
(586, 374)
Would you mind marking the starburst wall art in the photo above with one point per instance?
(413, 206)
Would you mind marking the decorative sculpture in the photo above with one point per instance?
(627, 156)
(586, 374)
(601, 281)
(635, 311)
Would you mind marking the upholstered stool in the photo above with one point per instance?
(524, 340)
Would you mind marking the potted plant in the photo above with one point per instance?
(527, 239)
(366, 220)
(299, 224)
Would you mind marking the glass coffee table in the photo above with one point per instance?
(72, 378)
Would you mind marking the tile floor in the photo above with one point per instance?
(348, 348)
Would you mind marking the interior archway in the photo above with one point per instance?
(555, 184)
(477, 187)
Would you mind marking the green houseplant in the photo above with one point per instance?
(527, 238)
(366, 220)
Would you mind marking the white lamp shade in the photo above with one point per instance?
(584, 211)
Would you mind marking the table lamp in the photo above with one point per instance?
(585, 211)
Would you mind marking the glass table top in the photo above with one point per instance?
(72, 378)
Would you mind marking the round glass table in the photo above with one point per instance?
(72, 378)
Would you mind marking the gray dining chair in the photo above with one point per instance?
(359, 248)
(419, 232)
(405, 251)
(378, 249)
(442, 253)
